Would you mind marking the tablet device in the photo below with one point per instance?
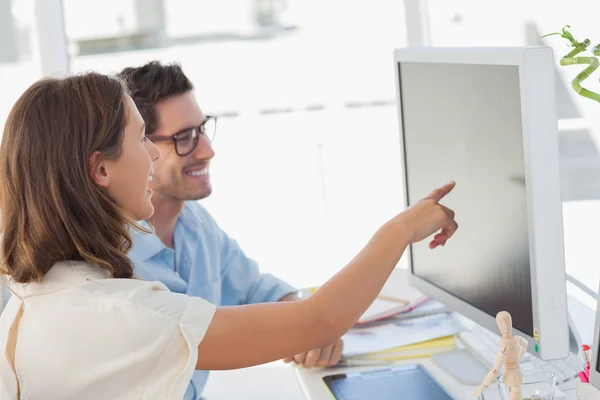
(402, 382)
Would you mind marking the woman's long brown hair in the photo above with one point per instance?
(50, 208)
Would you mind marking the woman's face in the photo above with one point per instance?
(126, 179)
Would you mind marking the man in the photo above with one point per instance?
(189, 253)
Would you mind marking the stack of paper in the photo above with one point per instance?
(401, 323)
(396, 297)
(417, 350)
(398, 333)
(386, 306)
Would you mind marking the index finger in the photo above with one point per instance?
(439, 193)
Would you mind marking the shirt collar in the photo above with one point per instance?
(62, 275)
(148, 245)
(190, 220)
(145, 245)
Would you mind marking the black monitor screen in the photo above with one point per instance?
(463, 123)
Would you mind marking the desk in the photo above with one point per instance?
(273, 381)
(279, 381)
(312, 386)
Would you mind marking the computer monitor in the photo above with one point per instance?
(486, 118)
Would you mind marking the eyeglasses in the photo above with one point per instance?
(186, 139)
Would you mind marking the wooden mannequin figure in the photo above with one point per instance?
(512, 350)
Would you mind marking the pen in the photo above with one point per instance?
(584, 376)
(585, 351)
(343, 363)
(392, 298)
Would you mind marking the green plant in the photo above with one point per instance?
(570, 59)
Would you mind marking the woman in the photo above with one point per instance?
(74, 167)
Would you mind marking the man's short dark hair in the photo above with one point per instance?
(152, 83)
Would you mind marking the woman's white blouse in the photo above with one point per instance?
(83, 336)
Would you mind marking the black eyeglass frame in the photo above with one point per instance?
(197, 131)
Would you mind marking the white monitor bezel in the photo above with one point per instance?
(594, 374)
(544, 202)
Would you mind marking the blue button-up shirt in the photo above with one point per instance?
(205, 263)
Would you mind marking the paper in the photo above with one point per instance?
(423, 349)
(397, 286)
(398, 333)
(381, 309)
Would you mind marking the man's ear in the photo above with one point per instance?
(98, 169)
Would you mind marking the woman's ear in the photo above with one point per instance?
(98, 169)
